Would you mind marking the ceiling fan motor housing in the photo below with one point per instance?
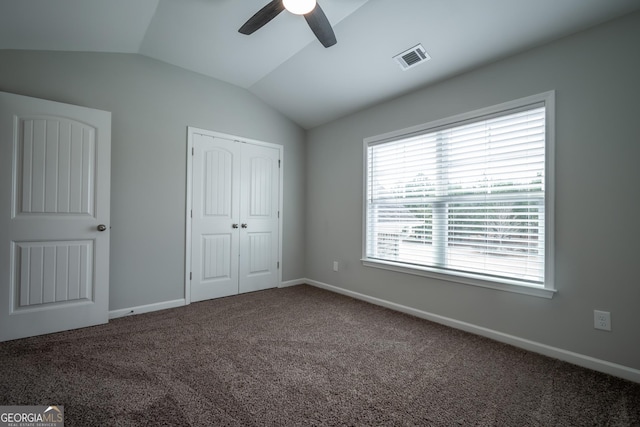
(299, 7)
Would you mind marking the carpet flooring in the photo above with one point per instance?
(301, 356)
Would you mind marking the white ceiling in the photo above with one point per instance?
(283, 63)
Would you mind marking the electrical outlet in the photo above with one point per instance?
(602, 320)
(335, 265)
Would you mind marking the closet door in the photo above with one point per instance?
(215, 217)
(234, 215)
(259, 202)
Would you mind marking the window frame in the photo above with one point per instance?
(547, 290)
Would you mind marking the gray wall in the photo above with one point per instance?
(596, 75)
(152, 105)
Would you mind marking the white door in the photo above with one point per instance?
(259, 188)
(234, 217)
(215, 217)
(54, 200)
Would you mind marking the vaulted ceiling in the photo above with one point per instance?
(283, 63)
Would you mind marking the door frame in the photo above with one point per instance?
(189, 201)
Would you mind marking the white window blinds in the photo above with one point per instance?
(466, 198)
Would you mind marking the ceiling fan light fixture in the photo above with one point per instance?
(299, 7)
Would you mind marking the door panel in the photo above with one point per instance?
(215, 209)
(260, 255)
(218, 182)
(259, 197)
(55, 183)
(216, 256)
(260, 175)
(49, 272)
(56, 168)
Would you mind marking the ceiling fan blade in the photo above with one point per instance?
(262, 17)
(321, 26)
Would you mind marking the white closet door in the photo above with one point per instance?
(54, 228)
(259, 203)
(216, 213)
(235, 234)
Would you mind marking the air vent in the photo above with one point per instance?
(412, 57)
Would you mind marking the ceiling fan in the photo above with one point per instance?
(312, 12)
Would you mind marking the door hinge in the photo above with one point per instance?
(278, 264)
(193, 151)
(278, 214)
(191, 275)
(278, 163)
(191, 213)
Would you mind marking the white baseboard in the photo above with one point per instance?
(292, 283)
(589, 362)
(146, 308)
(114, 314)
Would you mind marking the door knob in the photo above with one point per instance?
(102, 227)
(244, 225)
(234, 225)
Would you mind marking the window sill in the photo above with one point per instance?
(462, 278)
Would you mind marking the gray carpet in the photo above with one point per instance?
(301, 356)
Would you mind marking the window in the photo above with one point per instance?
(469, 198)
